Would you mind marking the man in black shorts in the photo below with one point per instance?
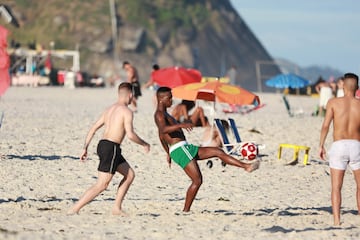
(133, 79)
(118, 122)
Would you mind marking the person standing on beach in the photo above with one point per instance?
(133, 79)
(186, 155)
(151, 82)
(325, 92)
(231, 74)
(118, 122)
(344, 112)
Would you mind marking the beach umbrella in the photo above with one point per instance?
(4, 61)
(175, 76)
(216, 92)
(287, 80)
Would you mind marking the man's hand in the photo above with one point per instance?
(146, 147)
(187, 126)
(322, 153)
(169, 160)
(83, 156)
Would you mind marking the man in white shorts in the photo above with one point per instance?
(344, 112)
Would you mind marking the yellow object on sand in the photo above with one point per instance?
(296, 148)
(213, 79)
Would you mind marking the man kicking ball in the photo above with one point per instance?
(184, 154)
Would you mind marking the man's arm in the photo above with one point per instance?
(164, 128)
(166, 148)
(129, 129)
(98, 124)
(325, 128)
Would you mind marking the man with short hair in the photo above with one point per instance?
(133, 79)
(344, 112)
(184, 154)
(118, 122)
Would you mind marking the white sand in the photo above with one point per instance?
(41, 138)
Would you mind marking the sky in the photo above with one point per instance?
(307, 32)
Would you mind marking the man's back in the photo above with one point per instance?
(115, 118)
(346, 113)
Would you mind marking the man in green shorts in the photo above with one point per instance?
(184, 154)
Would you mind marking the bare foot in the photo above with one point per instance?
(337, 223)
(252, 166)
(184, 213)
(119, 212)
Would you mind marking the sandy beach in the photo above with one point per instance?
(42, 135)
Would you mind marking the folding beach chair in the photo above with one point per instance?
(234, 130)
(229, 148)
(1, 117)
(291, 113)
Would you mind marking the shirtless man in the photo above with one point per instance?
(118, 122)
(345, 149)
(133, 79)
(186, 155)
(181, 113)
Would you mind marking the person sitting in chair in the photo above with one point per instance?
(181, 113)
(211, 136)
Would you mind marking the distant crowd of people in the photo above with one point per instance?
(327, 90)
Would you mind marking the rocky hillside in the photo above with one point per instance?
(205, 34)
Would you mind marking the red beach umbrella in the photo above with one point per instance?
(175, 76)
(4, 61)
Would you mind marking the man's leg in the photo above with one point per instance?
(129, 175)
(193, 171)
(357, 180)
(337, 177)
(210, 152)
(101, 184)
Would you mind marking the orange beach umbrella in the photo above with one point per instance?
(216, 92)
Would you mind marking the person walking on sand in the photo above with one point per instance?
(186, 155)
(133, 79)
(345, 150)
(118, 122)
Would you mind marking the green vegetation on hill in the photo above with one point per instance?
(68, 22)
(206, 34)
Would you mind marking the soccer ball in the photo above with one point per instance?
(249, 151)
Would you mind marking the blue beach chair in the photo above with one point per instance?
(228, 147)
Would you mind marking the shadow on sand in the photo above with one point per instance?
(38, 157)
